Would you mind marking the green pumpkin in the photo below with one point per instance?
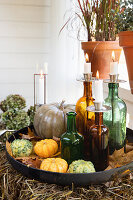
(81, 166)
(21, 148)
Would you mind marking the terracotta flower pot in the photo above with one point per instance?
(100, 54)
(126, 41)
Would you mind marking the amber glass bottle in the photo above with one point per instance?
(98, 140)
(85, 119)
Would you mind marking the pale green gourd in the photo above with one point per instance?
(21, 148)
(81, 166)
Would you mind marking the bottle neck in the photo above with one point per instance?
(71, 122)
(98, 118)
(113, 90)
(88, 89)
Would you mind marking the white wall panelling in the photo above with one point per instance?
(16, 76)
(22, 60)
(24, 13)
(15, 29)
(27, 2)
(27, 45)
(19, 88)
(24, 41)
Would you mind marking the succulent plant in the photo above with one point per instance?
(15, 102)
(15, 120)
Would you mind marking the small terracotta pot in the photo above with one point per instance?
(126, 41)
(100, 54)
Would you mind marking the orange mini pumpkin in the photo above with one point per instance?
(46, 148)
(54, 165)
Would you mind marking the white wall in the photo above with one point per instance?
(29, 34)
(24, 41)
(64, 64)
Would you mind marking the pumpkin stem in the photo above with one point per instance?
(61, 107)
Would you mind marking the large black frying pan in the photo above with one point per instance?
(67, 178)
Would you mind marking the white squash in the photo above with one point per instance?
(50, 119)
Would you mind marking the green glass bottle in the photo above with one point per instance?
(115, 119)
(71, 141)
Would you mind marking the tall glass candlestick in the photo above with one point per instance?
(41, 88)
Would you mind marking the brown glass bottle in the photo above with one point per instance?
(98, 141)
(85, 119)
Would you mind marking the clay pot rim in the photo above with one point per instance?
(126, 39)
(107, 45)
(124, 33)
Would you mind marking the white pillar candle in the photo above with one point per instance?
(87, 68)
(87, 65)
(41, 89)
(98, 90)
(113, 65)
(114, 68)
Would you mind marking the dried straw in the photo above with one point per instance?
(14, 186)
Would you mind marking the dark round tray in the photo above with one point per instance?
(78, 179)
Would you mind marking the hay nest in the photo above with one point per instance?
(15, 186)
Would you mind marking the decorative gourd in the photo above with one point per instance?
(81, 166)
(46, 148)
(50, 119)
(54, 165)
(21, 148)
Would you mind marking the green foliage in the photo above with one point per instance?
(3, 139)
(31, 114)
(15, 120)
(13, 116)
(125, 17)
(15, 102)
